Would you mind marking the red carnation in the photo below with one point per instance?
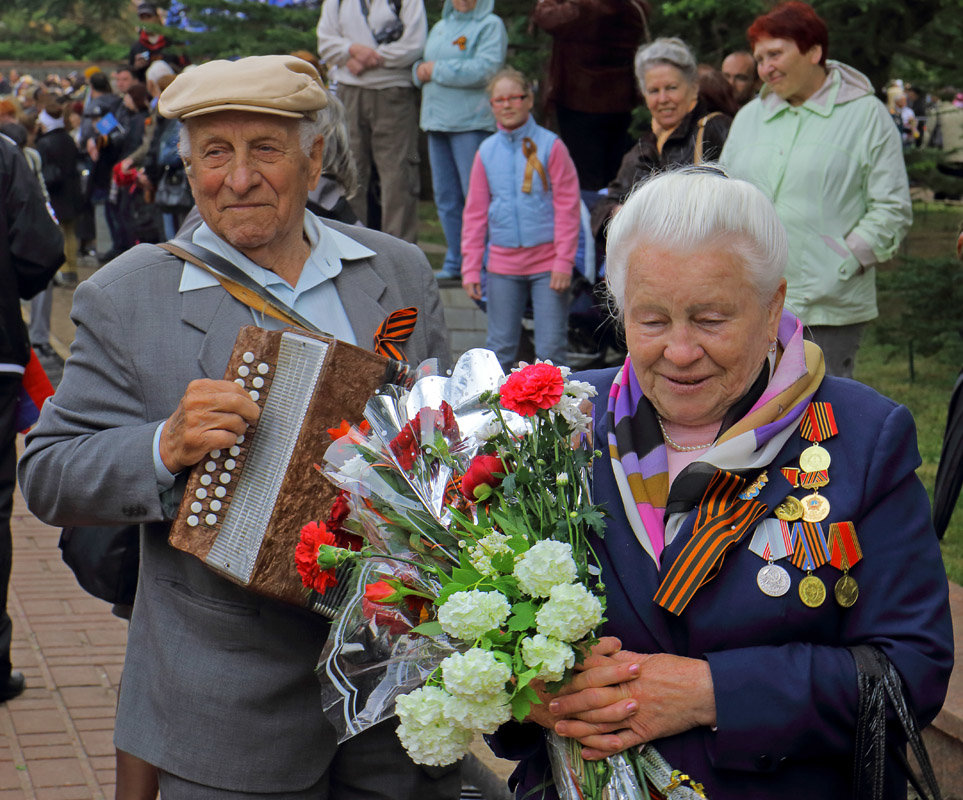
(381, 592)
(531, 388)
(405, 447)
(313, 536)
(484, 473)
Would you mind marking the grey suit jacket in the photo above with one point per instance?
(219, 685)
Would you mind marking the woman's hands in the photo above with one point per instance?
(619, 699)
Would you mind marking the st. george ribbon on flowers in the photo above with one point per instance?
(469, 528)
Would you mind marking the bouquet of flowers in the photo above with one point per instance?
(462, 530)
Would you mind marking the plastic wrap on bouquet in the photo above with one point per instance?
(368, 660)
(636, 774)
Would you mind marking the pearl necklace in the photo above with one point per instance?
(682, 448)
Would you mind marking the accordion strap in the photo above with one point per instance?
(238, 283)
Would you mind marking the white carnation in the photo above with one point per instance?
(475, 674)
(468, 615)
(427, 731)
(484, 716)
(555, 657)
(547, 564)
(570, 613)
(480, 554)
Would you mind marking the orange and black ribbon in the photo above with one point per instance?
(723, 518)
(809, 546)
(394, 331)
(818, 423)
(844, 548)
(532, 165)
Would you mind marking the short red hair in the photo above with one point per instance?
(793, 20)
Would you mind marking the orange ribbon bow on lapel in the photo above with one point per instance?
(395, 331)
(532, 165)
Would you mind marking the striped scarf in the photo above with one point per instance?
(754, 431)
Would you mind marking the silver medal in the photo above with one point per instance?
(773, 580)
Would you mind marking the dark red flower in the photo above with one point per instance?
(405, 447)
(534, 387)
(407, 443)
(483, 471)
(313, 536)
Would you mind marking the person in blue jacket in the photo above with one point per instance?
(464, 50)
(764, 518)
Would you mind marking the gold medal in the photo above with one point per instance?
(790, 509)
(846, 591)
(814, 459)
(812, 591)
(815, 508)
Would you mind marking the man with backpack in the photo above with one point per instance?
(369, 46)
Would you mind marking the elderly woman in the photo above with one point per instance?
(761, 517)
(683, 131)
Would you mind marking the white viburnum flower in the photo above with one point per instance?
(570, 613)
(468, 615)
(475, 674)
(484, 716)
(427, 731)
(555, 657)
(480, 554)
(547, 564)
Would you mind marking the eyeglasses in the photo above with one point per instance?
(510, 100)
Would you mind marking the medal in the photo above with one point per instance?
(812, 591)
(755, 487)
(772, 540)
(790, 509)
(815, 507)
(814, 459)
(846, 591)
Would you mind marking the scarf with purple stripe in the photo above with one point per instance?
(746, 444)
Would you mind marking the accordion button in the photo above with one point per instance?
(200, 494)
(257, 383)
(243, 371)
(230, 464)
(248, 357)
(239, 382)
(225, 477)
(263, 368)
(240, 439)
(234, 452)
(220, 491)
(196, 507)
(210, 466)
(215, 453)
(192, 520)
(215, 505)
(211, 519)
(254, 395)
(205, 480)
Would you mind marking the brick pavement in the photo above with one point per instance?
(56, 738)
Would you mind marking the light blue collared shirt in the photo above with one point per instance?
(315, 297)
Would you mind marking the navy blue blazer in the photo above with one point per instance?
(785, 684)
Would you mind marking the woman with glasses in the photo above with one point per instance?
(523, 199)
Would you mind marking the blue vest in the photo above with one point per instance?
(517, 218)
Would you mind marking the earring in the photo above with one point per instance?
(772, 346)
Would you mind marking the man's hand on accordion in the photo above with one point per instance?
(210, 416)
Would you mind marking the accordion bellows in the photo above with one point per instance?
(243, 508)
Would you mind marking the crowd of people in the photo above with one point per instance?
(741, 230)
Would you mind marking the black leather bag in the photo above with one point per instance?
(173, 190)
(105, 560)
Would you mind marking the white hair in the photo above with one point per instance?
(665, 50)
(692, 208)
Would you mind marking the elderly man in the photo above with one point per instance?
(825, 151)
(739, 69)
(219, 688)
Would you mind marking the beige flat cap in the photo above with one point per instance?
(283, 85)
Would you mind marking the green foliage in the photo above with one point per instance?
(52, 31)
(922, 166)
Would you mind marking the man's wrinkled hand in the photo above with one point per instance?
(210, 416)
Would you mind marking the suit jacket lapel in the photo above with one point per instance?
(361, 290)
(219, 317)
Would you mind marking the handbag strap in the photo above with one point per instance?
(701, 134)
(878, 680)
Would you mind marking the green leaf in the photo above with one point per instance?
(431, 628)
(523, 617)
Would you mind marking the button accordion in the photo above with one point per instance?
(244, 506)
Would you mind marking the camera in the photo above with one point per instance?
(390, 33)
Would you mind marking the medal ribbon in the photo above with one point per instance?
(844, 549)
(810, 546)
(791, 474)
(814, 480)
(394, 331)
(772, 540)
(722, 520)
(818, 423)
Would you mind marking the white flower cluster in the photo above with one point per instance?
(480, 554)
(468, 615)
(475, 673)
(554, 656)
(569, 406)
(483, 715)
(545, 565)
(427, 731)
(570, 613)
